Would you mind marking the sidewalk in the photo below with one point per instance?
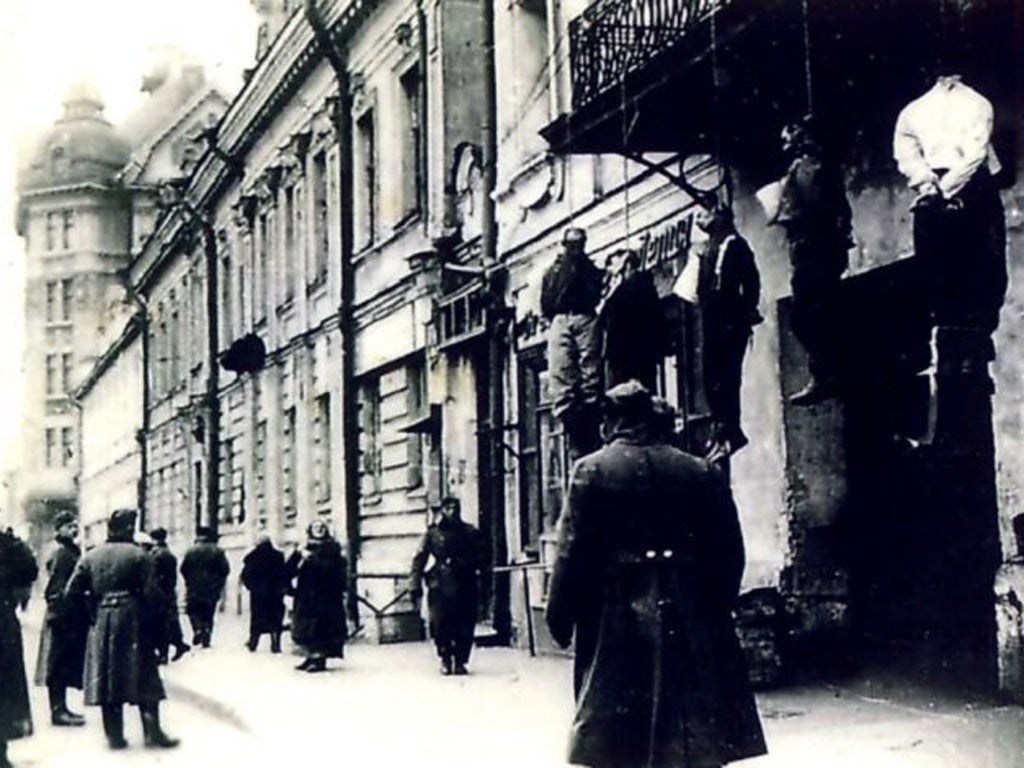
(388, 704)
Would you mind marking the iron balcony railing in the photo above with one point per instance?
(613, 38)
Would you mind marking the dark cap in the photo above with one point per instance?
(158, 534)
(574, 235)
(205, 533)
(629, 399)
(122, 521)
(64, 517)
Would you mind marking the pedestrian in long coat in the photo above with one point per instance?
(18, 571)
(456, 551)
(649, 564)
(65, 626)
(117, 579)
(265, 575)
(319, 626)
(205, 569)
(165, 566)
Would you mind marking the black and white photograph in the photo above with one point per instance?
(512, 383)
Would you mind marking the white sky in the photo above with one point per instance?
(46, 46)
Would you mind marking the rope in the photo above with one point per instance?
(808, 80)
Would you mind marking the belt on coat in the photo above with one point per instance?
(114, 599)
(651, 556)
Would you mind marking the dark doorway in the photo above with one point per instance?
(919, 519)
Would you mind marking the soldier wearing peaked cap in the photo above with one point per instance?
(65, 626)
(117, 578)
(649, 562)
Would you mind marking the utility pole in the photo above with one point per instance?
(341, 119)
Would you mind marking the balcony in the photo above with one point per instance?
(724, 76)
(612, 39)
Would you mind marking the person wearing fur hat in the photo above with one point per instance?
(319, 626)
(118, 581)
(650, 556)
(205, 569)
(166, 569)
(65, 626)
(18, 571)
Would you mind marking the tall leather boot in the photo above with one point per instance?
(4, 762)
(155, 737)
(113, 725)
(60, 715)
(275, 642)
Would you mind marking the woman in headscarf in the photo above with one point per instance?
(319, 628)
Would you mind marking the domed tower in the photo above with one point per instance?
(75, 221)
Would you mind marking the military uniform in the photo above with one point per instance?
(455, 550)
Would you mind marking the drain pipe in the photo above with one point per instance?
(341, 119)
(497, 314)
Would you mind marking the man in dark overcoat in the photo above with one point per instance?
(205, 569)
(17, 573)
(319, 624)
(65, 626)
(631, 323)
(456, 551)
(265, 575)
(165, 566)
(650, 557)
(118, 581)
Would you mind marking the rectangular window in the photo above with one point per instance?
(52, 382)
(259, 468)
(320, 217)
(416, 407)
(290, 249)
(67, 228)
(262, 265)
(412, 143)
(51, 447)
(298, 258)
(241, 300)
(226, 513)
(365, 187)
(51, 231)
(51, 302)
(67, 447)
(227, 316)
(371, 447)
(322, 449)
(174, 353)
(198, 493)
(288, 468)
(66, 298)
(66, 363)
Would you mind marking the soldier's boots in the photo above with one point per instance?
(275, 642)
(113, 726)
(446, 665)
(154, 736)
(60, 715)
(180, 650)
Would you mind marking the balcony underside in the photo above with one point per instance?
(866, 59)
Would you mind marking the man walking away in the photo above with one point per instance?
(649, 562)
(65, 626)
(166, 570)
(17, 573)
(205, 569)
(570, 290)
(265, 576)
(456, 549)
(118, 579)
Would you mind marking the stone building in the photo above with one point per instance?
(870, 539)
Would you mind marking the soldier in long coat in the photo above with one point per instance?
(118, 581)
(17, 573)
(205, 570)
(649, 564)
(319, 625)
(65, 626)
(265, 575)
(456, 551)
(166, 570)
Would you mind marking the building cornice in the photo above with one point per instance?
(131, 332)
